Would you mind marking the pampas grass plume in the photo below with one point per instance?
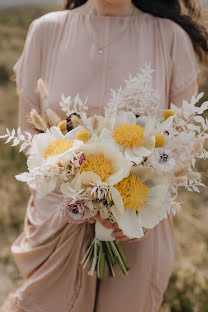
(37, 120)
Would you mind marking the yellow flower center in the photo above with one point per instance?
(129, 135)
(62, 125)
(168, 113)
(159, 140)
(99, 165)
(134, 193)
(83, 135)
(58, 147)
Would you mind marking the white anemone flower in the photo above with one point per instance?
(51, 146)
(140, 201)
(133, 136)
(162, 159)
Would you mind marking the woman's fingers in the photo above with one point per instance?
(135, 240)
(123, 239)
(118, 234)
(115, 226)
(104, 222)
(91, 221)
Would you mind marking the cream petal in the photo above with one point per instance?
(155, 210)
(144, 173)
(76, 183)
(106, 135)
(149, 142)
(120, 174)
(39, 145)
(66, 189)
(130, 155)
(46, 187)
(142, 121)
(142, 151)
(117, 199)
(126, 118)
(95, 124)
(89, 177)
(24, 177)
(56, 132)
(149, 218)
(72, 135)
(129, 223)
(157, 195)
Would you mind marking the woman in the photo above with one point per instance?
(90, 49)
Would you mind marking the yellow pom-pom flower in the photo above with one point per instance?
(83, 135)
(133, 192)
(62, 125)
(168, 113)
(129, 136)
(99, 165)
(159, 140)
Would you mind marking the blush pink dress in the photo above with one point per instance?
(62, 49)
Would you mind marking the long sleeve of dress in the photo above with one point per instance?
(183, 83)
(28, 71)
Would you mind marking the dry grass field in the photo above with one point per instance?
(188, 287)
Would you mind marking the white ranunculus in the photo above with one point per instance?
(134, 154)
(155, 209)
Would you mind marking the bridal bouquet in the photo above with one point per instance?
(127, 165)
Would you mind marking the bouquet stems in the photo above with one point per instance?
(101, 252)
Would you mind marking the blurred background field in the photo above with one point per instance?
(188, 287)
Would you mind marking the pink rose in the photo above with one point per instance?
(75, 212)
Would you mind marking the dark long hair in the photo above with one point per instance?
(185, 13)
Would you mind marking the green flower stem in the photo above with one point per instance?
(110, 253)
(91, 257)
(108, 261)
(88, 257)
(87, 253)
(121, 253)
(92, 269)
(101, 261)
(118, 258)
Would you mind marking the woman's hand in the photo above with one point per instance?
(117, 234)
(104, 222)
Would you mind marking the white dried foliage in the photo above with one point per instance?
(187, 135)
(138, 95)
(17, 138)
(74, 105)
